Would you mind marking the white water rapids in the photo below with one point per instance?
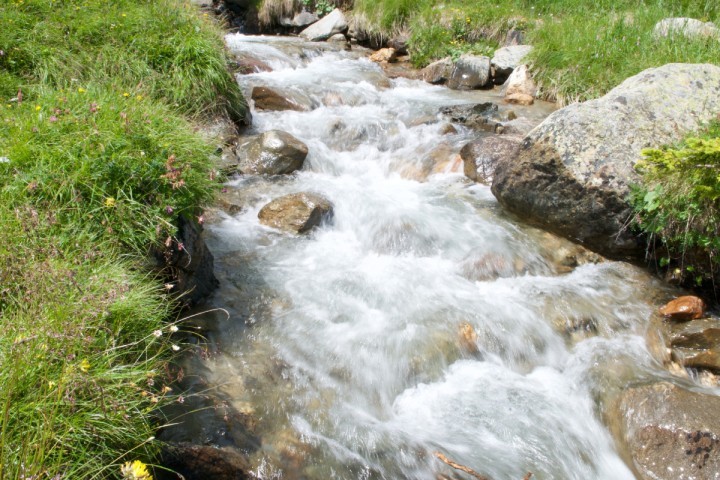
(345, 344)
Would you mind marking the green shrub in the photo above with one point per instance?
(678, 205)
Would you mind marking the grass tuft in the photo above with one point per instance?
(98, 156)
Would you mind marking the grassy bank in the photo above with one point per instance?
(583, 48)
(98, 156)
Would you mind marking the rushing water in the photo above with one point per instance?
(421, 319)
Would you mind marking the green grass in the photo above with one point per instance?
(677, 207)
(98, 156)
(582, 50)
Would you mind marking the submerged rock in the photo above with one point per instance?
(478, 116)
(670, 433)
(272, 153)
(268, 99)
(572, 173)
(334, 22)
(470, 72)
(482, 155)
(684, 308)
(297, 212)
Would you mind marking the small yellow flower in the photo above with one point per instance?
(81, 90)
(136, 470)
(51, 384)
(85, 365)
(138, 97)
(126, 94)
(9, 105)
(38, 108)
(124, 15)
(109, 202)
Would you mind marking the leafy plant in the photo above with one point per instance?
(678, 205)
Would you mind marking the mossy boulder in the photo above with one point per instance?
(573, 172)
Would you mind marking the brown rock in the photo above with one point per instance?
(384, 55)
(199, 462)
(297, 212)
(246, 65)
(684, 308)
(520, 88)
(448, 129)
(438, 72)
(468, 338)
(669, 432)
(268, 99)
(272, 153)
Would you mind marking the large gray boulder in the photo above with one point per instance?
(670, 433)
(470, 72)
(271, 153)
(334, 22)
(573, 171)
(297, 212)
(506, 59)
(686, 27)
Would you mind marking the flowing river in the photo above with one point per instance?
(422, 319)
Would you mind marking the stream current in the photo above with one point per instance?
(421, 319)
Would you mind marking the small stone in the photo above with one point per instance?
(684, 308)
(468, 338)
(384, 55)
(268, 99)
(438, 72)
(297, 212)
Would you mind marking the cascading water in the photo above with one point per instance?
(421, 319)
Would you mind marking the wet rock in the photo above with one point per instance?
(401, 69)
(297, 212)
(520, 88)
(448, 129)
(480, 156)
(245, 64)
(268, 99)
(332, 23)
(573, 171)
(684, 308)
(670, 433)
(489, 266)
(384, 55)
(468, 338)
(565, 256)
(470, 72)
(686, 27)
(698, 335)
(438, 72)
(478, 116)
(506, 59)
(201, 462)
(271, 153)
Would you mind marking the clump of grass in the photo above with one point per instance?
(582, 49)
(164, 48)
(98, 156)
(114, 161)
(677, 206)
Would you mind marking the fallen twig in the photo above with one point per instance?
(469, 470)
